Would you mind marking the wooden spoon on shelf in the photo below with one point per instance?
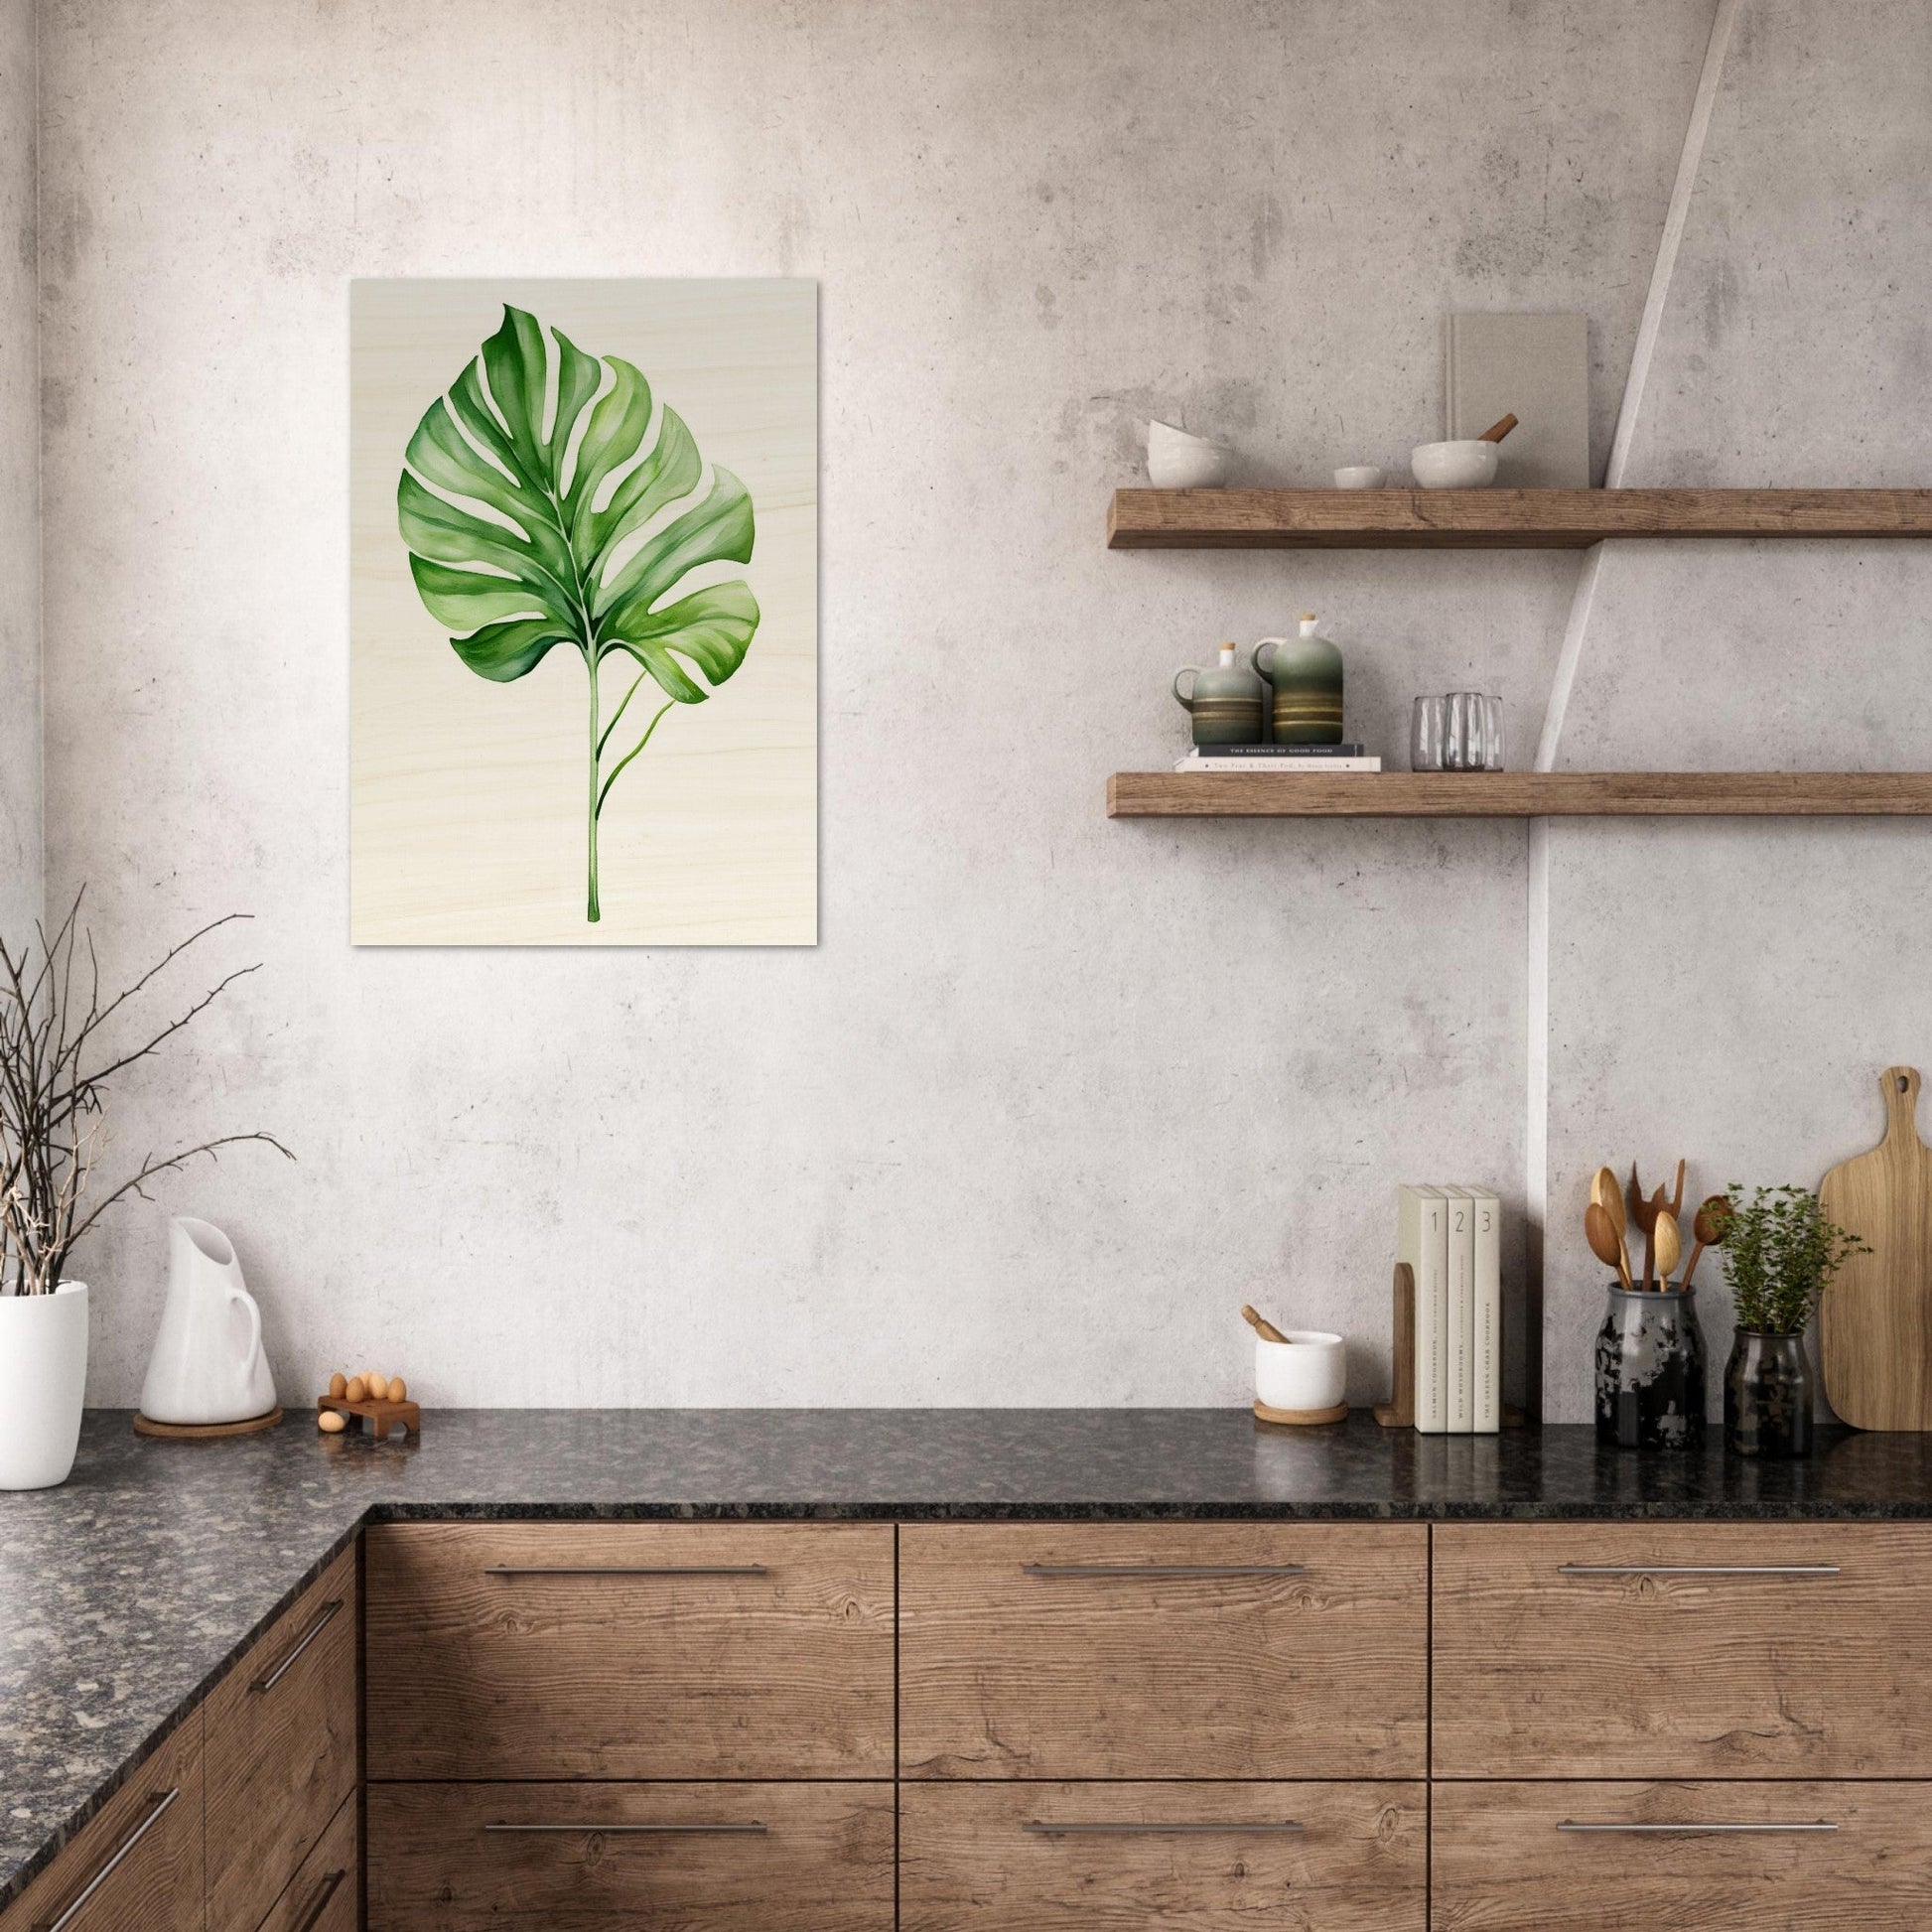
(1260, 1324)
(1605, 1243)
(1708, 1229)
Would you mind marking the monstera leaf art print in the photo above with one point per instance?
(531, 505)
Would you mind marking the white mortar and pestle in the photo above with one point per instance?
(1300, 1374)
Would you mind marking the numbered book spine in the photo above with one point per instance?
(1422, 1232)
(1488, 1414)
(1459, 1209)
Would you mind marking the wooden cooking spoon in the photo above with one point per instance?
(1669, 1240)
(1708, 1229)
(1655, 1210)
(1637, 1203)
(1260, 1324)
(1497, 429)
(1604, 1191)
(1605, 1243)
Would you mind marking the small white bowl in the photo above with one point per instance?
(1359, 476)
(1178, 461)
(1454, 465)
(1309, 1371)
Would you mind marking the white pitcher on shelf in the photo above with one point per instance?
(208, 1364)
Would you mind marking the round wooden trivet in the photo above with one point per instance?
(1302, 1418)
(202, 1432)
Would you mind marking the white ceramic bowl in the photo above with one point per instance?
(1358, 476)
(1454, 465)
(1309, 1371)
(1178, 461)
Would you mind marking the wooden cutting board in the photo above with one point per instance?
(1874, 1328)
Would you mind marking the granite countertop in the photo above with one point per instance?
(128, 1591)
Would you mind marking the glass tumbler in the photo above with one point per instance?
(1493, 733)
(1426, 733)
(1464, 732)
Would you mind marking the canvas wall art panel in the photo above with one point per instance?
(584, 656)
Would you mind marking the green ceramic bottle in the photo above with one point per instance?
(1305, 673)
(1225, 702)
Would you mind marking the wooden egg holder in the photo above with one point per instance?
(1400, 1411)
(378, 1417)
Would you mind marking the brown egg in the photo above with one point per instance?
(337, 1384)
(356, 1390)
(331, 1422)
(398, 1389)
(378, 1386)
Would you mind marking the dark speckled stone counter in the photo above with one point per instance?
(125, 1595)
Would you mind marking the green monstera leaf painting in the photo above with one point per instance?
(526, 488)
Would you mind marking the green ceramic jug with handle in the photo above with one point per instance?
(1305, 672)
(1224, 701)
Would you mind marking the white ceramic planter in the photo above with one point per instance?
(43, 1382)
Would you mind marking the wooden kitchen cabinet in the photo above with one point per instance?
(1149, 1650)
(1195, 1856)
(1771, 1856)
(326, 1892)
(136, 1865)
(629, 1651)
(585, 1857)
(282, 1750)
(1683, 1650)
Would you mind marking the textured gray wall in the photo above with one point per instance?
(1053, 1095)
(20, 573)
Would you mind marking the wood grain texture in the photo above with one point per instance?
(824, 1863)
(969, 1865)
(1006, 1675)
(1875, 1326)
(783, 1674)
(1520, 794)
(1497, 519)
(156, 1887)
(1538, 1674)
(326, 1892)
(1500, 1865)
(281, 1760)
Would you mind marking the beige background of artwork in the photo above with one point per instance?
(467, 798)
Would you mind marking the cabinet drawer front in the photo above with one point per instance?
(1511, 1857)
(662, 1650)
(323, 1895)
(1243, 1650)
(1683, 1650)
(706, 1857)
(281, 1749)
(1199, 1858)
(136, 1866)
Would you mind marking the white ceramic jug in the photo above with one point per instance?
(208, 1364)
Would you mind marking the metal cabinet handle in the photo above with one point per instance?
(1698, 1569)
(1040, 1828)
(319, 1902)
(627, 1569)
(1814, 1825)
(308, 1637)
(1164, 1570)
(750, 1828)
(157, 1801)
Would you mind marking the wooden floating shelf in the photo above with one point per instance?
(1520, 794)
(1497, 519)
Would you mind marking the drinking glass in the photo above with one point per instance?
(1425, 732)
(1464, 731)
(1493, 733)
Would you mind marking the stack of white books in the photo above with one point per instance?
(1299, 759)
(1450, 1237)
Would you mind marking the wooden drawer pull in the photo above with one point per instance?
(1816, 1825)
(301, 1643)
(157, 1802)
(1698, 1569)
(627, 1569)
(751, 1827)
(1038, 1828)
(319, 1902)
(1164, 1570)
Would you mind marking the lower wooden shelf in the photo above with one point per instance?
(1520, 794)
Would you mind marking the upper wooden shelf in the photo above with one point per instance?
(1519, 794)
(1497, 519)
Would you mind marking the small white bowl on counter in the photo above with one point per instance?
(1454, 465)
(1307, 1373)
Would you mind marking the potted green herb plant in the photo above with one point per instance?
(1780, 1255)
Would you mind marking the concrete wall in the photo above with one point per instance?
(20, 550)
(1053, 1095)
